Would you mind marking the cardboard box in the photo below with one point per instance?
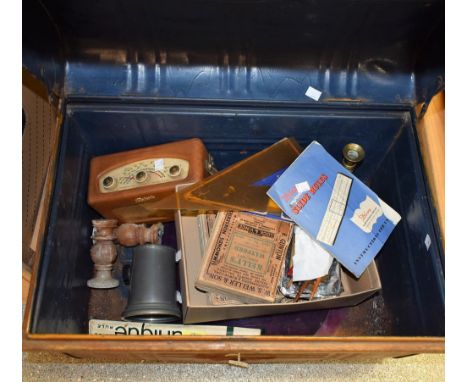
(196, 305)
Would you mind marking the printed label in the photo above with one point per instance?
(313, 93)
(302, 187)
(367, 214)
(335, 210)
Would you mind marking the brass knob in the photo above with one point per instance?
(353, 154)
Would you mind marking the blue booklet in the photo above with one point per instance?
(334, 207)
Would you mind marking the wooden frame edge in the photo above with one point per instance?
(197, 345)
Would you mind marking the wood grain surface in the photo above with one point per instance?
(431, 132)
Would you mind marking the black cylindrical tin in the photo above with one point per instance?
(153, 285)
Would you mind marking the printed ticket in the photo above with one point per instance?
(245, 256)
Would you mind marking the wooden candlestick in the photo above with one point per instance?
(130, 235)
(103, 254)
(104, 251)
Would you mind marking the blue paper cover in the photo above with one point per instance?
(334, 207)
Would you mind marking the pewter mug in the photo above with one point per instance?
(153, 285)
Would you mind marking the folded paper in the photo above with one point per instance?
(310, 260)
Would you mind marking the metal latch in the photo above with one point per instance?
(237, 362)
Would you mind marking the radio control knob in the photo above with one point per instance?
(141, 176)
(109, 182)
(174, 170)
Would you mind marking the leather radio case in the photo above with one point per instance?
(122, 184)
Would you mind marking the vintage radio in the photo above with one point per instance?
(121, 184)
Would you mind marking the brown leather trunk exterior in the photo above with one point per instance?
(222, 349)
